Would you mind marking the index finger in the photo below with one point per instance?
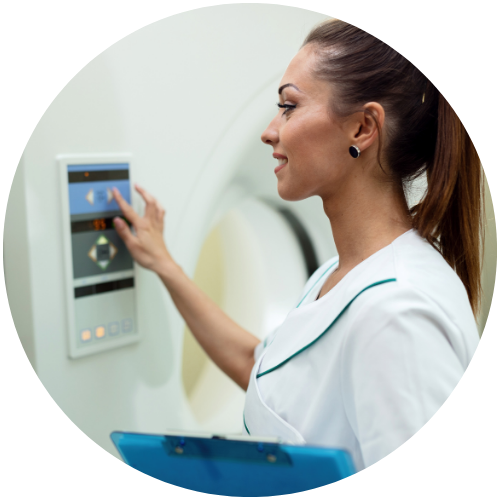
(127, 210)
(149, 199)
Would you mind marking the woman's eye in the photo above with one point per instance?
(286, 107)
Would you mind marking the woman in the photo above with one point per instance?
(383, 332)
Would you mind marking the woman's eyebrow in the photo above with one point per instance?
(288, 85)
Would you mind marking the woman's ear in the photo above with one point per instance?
(373, 115)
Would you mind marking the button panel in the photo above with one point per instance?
(99, 269)
(86, 335)
(114, 328)
(100, 332)
(127, 325)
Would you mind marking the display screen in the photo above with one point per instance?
(92, 225)
(90, 187)
(99, 254)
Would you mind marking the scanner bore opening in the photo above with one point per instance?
(211, 278)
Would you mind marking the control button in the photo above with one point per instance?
(102, 252)
(85, 335)
(90, 197)
(127, 325)
(114, 328)
(100, 332)
(112, 251)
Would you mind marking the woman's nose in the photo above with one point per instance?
(270, 135)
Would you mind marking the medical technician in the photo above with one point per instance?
(383, 332)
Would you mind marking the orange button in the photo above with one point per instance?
(86, 335)
(100, 331)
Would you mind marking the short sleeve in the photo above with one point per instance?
(259, 349)
(398, 368)
(257, 352)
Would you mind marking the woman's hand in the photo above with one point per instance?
(146, 246)
(229, 345)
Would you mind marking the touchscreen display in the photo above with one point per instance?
(101, 262)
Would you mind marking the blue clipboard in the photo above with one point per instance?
(242, 467)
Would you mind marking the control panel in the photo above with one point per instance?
(100, 275)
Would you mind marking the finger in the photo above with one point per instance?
(149, 199)
(124, 231)
(127, 210)
(160, 212)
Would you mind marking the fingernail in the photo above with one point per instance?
(118, 222)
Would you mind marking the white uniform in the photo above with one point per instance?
(367, 365)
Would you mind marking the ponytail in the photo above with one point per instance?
(451, 214)
(424, 135)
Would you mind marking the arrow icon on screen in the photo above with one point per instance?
(112, 251)
(93, 253)
(90, 197)
(110, 196)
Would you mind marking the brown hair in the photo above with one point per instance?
(422, 134)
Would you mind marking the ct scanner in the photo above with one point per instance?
(185, 101)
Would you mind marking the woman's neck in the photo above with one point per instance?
(365, 219)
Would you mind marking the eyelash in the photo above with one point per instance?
(286, 107)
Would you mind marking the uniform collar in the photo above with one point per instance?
(308, 322)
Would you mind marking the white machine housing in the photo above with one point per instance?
(188, 97)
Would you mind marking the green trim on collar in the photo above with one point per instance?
(328, 328)
(245, 424)
(316, 282)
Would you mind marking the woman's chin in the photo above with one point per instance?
(287, 193)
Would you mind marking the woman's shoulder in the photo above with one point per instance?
(425, 294)
(416, 265)
(421, 268)
(402, 314)
(421, 271)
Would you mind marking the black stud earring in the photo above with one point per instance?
(354, 151)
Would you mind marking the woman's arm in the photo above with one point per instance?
(230, 346)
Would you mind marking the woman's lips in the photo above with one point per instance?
(279, 167)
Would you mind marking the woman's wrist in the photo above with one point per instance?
(167, 269)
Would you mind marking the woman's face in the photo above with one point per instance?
(312, 147)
